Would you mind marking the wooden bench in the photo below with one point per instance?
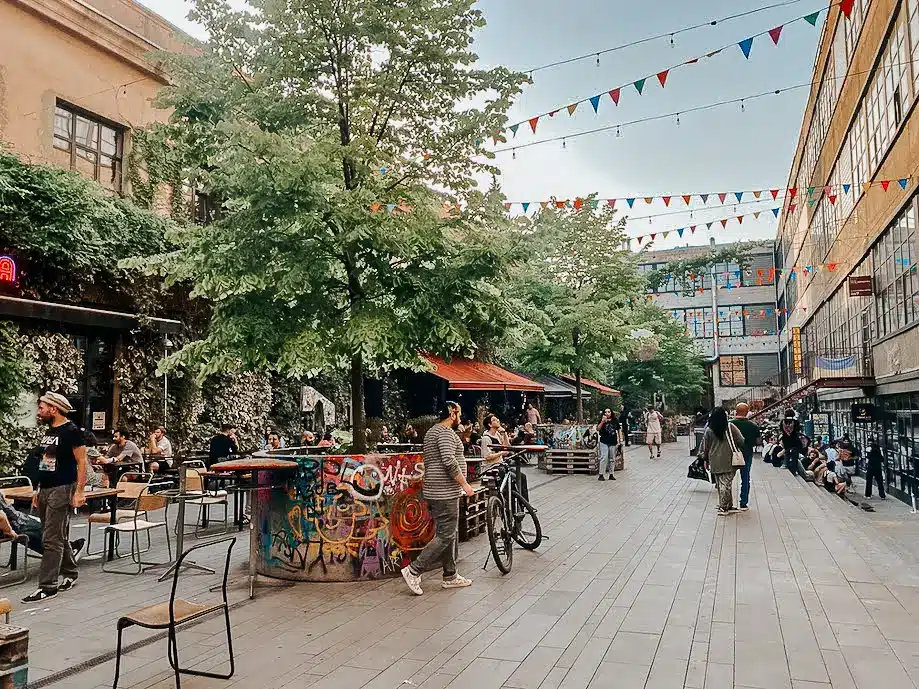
(571, 461)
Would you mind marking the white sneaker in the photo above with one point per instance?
(413, 581)
(457, 582)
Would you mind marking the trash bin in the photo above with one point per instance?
(697, 440)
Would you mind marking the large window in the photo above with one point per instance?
(896, 282)
(700, 323)
(730, 321)
(94, 147)
(733, 371)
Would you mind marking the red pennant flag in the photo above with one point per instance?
(691, 62)
(662, 77)
(561, 204)
(611, 203)
(614, 94)
(639, 238)
(885, 184)
(722, 197)
(507, 206)
(666, 200)
(692, 229)
(791, 207)
(845, 6)
(792, 191)
(775, 34)
(375, 207)
(740, 219)
(653, 235)
(831, 266)
(687, 199)
(553, 113)
(533, 123)
(775, 193)
(832, 198)
(577, 204)
(827, 190)
(724, 222)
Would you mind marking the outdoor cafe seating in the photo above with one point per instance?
(142, 523)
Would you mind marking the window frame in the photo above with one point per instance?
(100, 124)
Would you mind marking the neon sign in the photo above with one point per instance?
(7, 269)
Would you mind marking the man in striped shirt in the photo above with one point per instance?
(444, 483)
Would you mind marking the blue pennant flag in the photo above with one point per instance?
(739, 195)
(595, 102)
(775, 212)
(903, 183)
(845, 188)
(745, 46)
(390, 207)
(680, 231)
(525, 205)
(631, 202)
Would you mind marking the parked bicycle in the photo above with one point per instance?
(509, 517)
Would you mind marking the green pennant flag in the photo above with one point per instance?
(639, 85)
(812, 18)
(513, 129)
(594, 203)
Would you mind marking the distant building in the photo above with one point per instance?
(731, 315)
(848, 251)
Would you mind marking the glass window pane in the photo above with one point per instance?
(62, 123)
(109, 141)
(62, 144)
(86, 132)
(86, 163)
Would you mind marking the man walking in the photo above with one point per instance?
(875, 469)
(654, 429)
(751, 437)
(624, 425)
(608, 428)
(444, 483)
(61, 478)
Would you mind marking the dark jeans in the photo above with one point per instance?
(442, 548)
(875, 473)
(745, 479)
(57, 559)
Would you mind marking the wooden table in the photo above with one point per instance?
(26, 493)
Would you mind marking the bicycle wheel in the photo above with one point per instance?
(527, 531)
(499, 534)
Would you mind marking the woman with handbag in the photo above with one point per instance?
(722, 454)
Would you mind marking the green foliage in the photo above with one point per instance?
(579, 285)
(686, 272)
(300, 120)
(676, 370)
(67, 232)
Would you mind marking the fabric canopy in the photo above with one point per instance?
(557, 387)
(600, 387)
(467, 374)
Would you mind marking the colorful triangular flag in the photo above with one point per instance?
(792, 191)
(775, 193)
(611, 203)
(687, 199)
(680, 232)
(507, 206)
(595, 102)
(639, 85)
(662, 77)
(631, 202)
(533, 122)
(845, 6)
(525, 205)
(775, 34)
(740, 219)
(812, 18)
(745, 46)
(775, 212)
(572, 108)
(390, 207)
(614, 94)
(724, 222)
(885, 184)
(739, 195)
(832, 198)
(846, 188)
(704, 198)
(666, 200)
(649, 200)
(903, 182)
(514, 128)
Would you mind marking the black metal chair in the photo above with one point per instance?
(177, 612)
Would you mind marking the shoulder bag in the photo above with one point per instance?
(737, 458)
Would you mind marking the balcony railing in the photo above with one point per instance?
(833, 364)
(757, 397)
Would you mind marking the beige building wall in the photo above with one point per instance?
(93, 54)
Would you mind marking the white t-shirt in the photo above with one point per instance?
(653, 421)
(164, 446)
(832, 454)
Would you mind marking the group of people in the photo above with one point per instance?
(727, 446)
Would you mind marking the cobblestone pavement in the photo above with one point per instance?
(640, 585)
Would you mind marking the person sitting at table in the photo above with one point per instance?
(223, 444)
(14, 523)
(525, 435)
(410, 435)
(122, 449)
(307, 439)
(495, 435)
(159, 446)
(327, 440)
(274, 442)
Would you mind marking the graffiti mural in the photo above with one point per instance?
(561, 437)
(344, 518)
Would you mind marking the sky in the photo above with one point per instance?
(724, 149)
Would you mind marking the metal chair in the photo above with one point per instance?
(14, 561)
(194, 484)
(177, 612)
(145, 504)
(133, 483)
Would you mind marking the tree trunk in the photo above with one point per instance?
(359, 420)
(577, 387)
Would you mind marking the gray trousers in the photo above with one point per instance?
(442, 548)
(606, 464)
(54, 511)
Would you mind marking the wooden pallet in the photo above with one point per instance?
(472, 514)
(571, 461)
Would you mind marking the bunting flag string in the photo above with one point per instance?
(745, 45)
(791, 194)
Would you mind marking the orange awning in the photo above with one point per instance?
(467, 374)
(605, 389)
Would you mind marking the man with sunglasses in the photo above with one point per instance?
(444, 483)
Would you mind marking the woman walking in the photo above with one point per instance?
(718, 454)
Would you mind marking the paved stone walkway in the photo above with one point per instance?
(641, 586)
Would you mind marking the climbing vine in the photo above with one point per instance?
(687, 274)
(155, 167)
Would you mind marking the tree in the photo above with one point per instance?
(581, 285)
(676, 370)
(332, 133)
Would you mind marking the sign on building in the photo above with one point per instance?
(864, 413)
(797, 354)
(860, 286)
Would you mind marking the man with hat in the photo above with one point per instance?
(61, 478)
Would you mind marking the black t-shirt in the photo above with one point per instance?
(222, 446)
(609, 434)
(58, 465)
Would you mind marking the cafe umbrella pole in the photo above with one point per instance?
(180, 530)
